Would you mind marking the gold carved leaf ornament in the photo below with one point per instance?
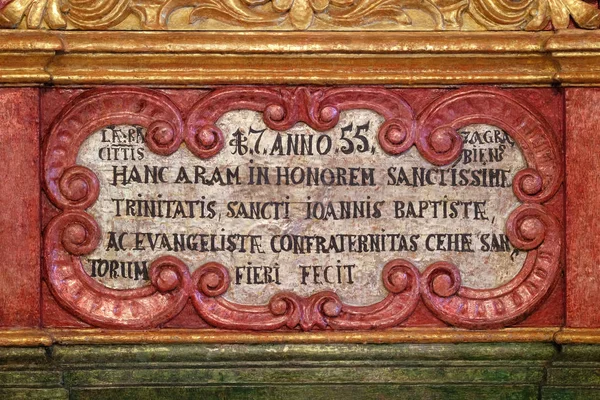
(302, 14)
(534, 14)
(447, 14)
(86, 14)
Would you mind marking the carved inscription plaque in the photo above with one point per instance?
(302, 210)
(277, 207)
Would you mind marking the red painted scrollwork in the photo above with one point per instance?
(439, 142)
(74, 233)
(283, 108)
(401, 279)
(530, 227)
(70, 186)
(73, 188)
(322, 310)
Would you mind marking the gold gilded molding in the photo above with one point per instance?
(25, 338)
(197, 59)
(405, 335)
(428, 15)
(578, 336)
(48, 337)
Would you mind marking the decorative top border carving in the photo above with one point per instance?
(428, 15)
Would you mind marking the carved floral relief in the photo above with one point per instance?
(302, 14)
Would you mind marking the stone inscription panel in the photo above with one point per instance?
(302, 210)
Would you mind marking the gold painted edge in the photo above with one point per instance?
(48, 337)
(195, 59)
(425, 43)
(216, 69)
(303, 42)
(120, 42)
(406, 335)
(25, 338)
(91, 336)
(578, 336)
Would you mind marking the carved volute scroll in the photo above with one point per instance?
(72, 188)
(529, 227)
(206, 282)
(302, 14)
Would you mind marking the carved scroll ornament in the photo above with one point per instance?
(302, 14)
(73, 188)
(529, 227)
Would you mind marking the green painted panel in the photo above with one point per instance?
(34, 394)
(574, 376)
(23, 355)
(30, 378)
(312, 392)
(570, 393)
(121, 354)
(346, 372)
(579, 352)
(303, 375)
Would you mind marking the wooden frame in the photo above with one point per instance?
(565, 58)
(312, 49)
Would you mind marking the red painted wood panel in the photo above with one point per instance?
(583, 207)
(547, 102)
(19, 208)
